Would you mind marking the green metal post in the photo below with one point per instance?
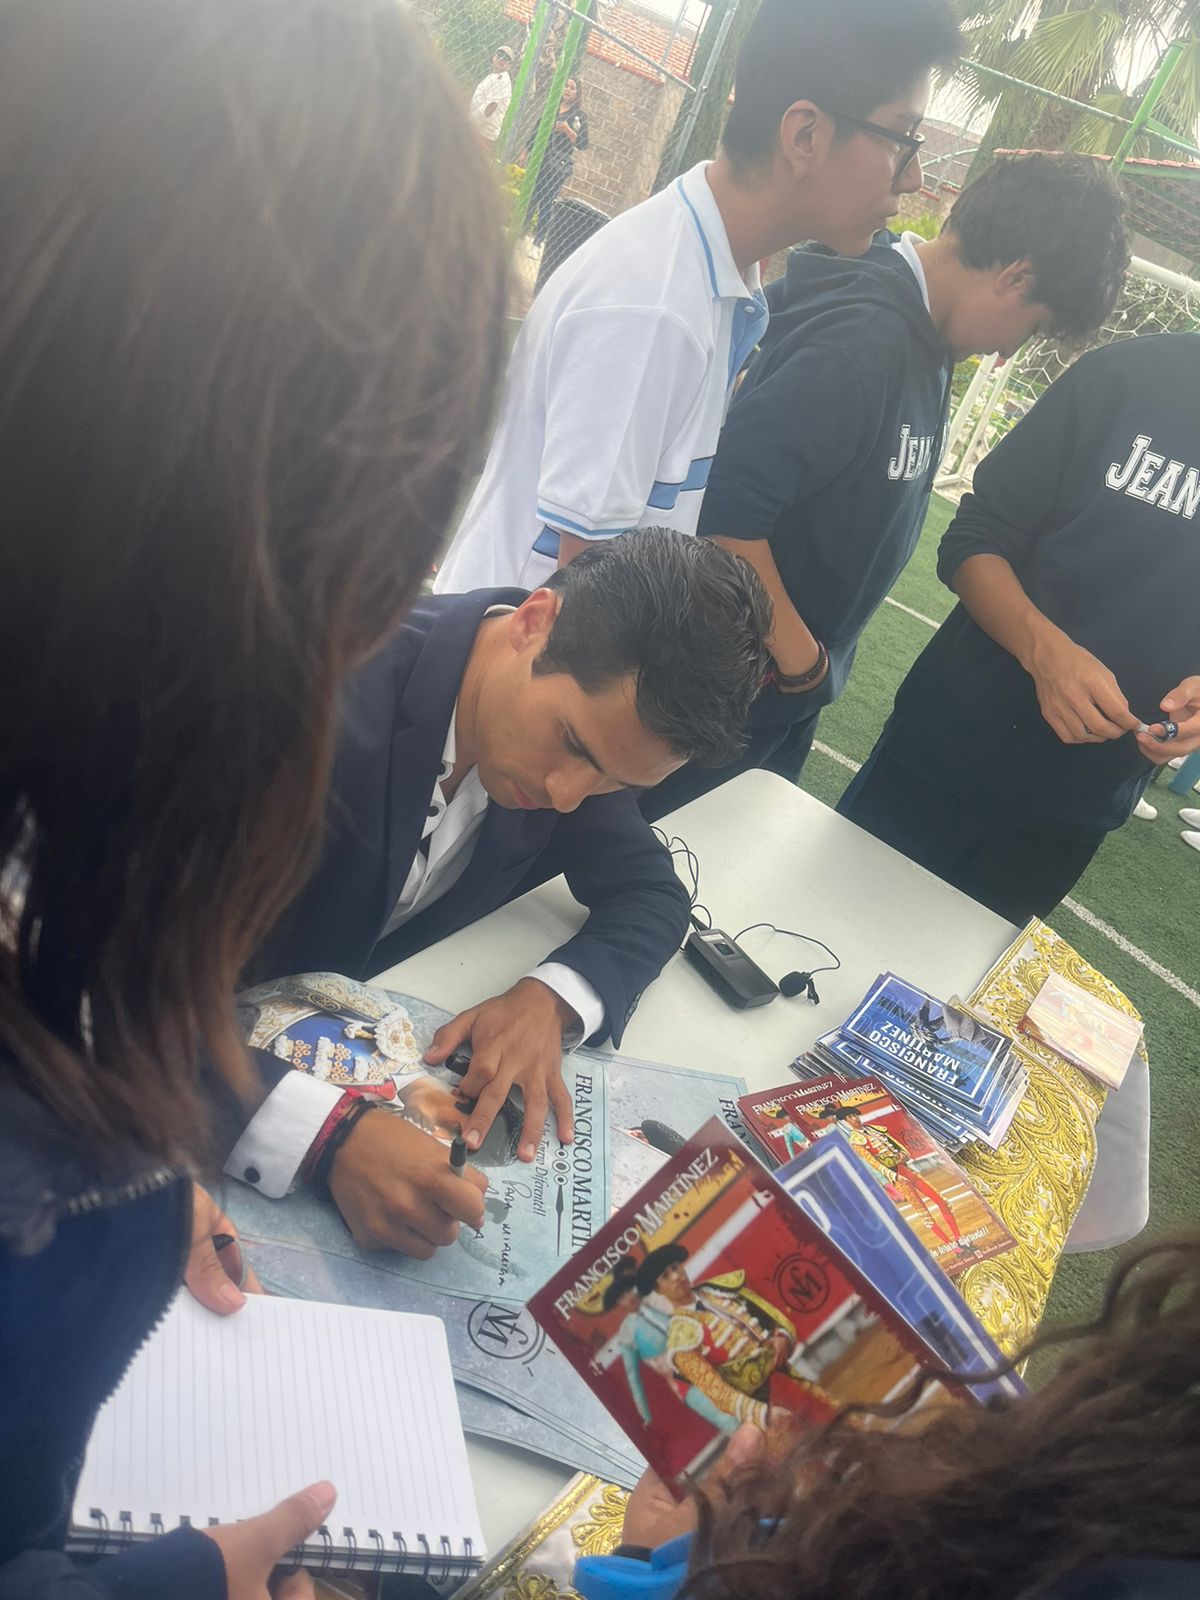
(1142, 122)
(549, 116)
(1149, 100)
(523, 81)
(994, 75)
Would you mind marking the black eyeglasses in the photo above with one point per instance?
(910, 143)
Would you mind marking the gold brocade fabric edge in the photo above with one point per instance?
(1039, 1177)
(601, 1533)
(503, 1577)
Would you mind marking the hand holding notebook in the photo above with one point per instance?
(251, 1550)
(218, 1419)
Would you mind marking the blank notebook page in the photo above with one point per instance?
(221, 1417)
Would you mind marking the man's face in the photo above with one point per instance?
(675, 1283)
(852, 179)
(543, 743)
(501, 63)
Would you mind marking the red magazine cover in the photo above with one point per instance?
(767, 1114)
(931, 1191)
(711, 1299)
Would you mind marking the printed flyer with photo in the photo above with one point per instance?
(930, 1190)
(713, 1299)
(630, 1117)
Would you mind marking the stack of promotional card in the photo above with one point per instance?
(959, 1077)
(931, 1191)
(1083, 1029)
(720, 1294)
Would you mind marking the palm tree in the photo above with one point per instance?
(1102, 52)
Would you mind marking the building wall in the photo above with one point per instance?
(629, 122)
(631, 111)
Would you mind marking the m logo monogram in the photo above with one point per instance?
(507, 1332)
(803, 1281)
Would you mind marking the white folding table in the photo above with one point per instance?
(768, 852)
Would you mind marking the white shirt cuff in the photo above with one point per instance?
(577, 992)
(274, 1144)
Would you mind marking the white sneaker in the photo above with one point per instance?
(1191, 838)
(1145, 810)
(1190, 817)
(1176, 762)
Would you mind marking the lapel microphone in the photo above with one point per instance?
(719, 957)
(792, 983)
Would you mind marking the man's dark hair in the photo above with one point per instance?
(1066, 215)
(681, 616)
(835, 1111)
(624, 1279)
(655, 1264)
(844, 55)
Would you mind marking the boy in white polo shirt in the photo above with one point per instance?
(619, 379)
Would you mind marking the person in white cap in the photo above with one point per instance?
(491, 97)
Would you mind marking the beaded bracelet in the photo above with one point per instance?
(335, 1130)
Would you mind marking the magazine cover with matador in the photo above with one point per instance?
(710, 1299)
(931, 1191)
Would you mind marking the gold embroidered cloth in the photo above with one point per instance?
(1036, 1181)
(1039, 1176)
(585, 1520)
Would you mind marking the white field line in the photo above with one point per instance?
(1073, 906)
(1132, 951)
(836, 755)
(929, 622)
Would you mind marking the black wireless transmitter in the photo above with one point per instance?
(722, 962)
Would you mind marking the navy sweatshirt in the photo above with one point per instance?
(1094, 499)
(831, 444)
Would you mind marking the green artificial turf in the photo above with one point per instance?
(1144, 882)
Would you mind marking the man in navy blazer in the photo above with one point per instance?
(496, 731)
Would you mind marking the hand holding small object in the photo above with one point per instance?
(216, 1273)
(653, 1515)
(1177, 733)
(516, 1039)
(1078, 696)
(395, 1190)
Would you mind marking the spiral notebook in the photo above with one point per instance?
(217, 1419)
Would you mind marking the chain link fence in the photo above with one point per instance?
(586, 108)
(990, 398)
(589, 106)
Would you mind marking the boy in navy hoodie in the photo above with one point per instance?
(826, 463)
(1029, 726)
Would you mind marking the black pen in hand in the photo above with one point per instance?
(458, 1161)
(235, 1263)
